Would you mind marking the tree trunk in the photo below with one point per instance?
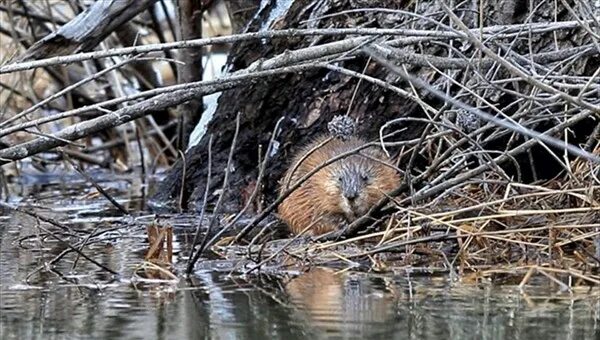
(189, 13)
(307, 101)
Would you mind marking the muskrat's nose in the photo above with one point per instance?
(351, 195)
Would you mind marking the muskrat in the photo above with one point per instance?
(340, 192)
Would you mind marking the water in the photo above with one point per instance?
(88, 303)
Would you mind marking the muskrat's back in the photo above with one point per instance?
(340, 192)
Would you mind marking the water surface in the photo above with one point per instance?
(43, 301)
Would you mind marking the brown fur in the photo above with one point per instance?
(319, 200)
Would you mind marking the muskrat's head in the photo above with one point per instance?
(359, 182)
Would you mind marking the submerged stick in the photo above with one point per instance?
(217, 209)
(202, 210)
(101, 190)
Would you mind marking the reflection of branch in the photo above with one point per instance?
(99, 188)
(37, 216)
(58, 238)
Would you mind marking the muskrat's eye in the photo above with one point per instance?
(339, 178)
(364, 178)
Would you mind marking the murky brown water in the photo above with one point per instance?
(58, 302)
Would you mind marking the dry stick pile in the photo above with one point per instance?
(493, 224)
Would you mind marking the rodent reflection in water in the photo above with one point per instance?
(340, 192)
(332, 302)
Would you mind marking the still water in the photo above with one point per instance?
(43, 301)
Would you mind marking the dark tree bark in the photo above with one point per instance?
(241, 12)
(309, 100)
